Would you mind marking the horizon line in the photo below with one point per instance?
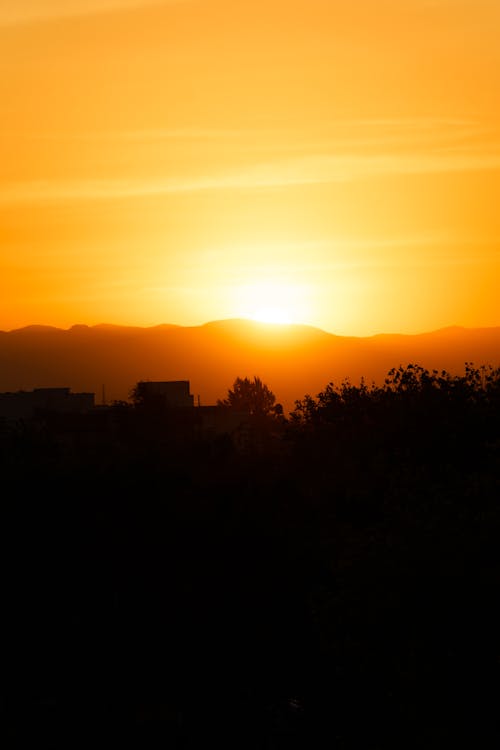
(245, 321)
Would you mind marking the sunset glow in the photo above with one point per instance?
(271, 315)
(317, 161)
(272, 302)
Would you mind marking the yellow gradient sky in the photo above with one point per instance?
(331, 162)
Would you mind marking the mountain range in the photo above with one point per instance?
(293, 360)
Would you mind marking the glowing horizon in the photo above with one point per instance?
(183, 161)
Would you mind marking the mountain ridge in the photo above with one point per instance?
(292, 359)
(222, 322)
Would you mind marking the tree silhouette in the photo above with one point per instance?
(138, 394)
(252, 396)
(147, 401)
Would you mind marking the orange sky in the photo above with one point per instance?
(330, 162)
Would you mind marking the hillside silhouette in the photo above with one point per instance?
(295, 359)
(332, 581)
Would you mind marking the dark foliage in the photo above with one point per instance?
(252, 396)
(336, 588)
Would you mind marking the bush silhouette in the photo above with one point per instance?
(251, 396)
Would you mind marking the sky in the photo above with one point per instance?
(327, 162)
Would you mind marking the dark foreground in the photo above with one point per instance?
(333, 584)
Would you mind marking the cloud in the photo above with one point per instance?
(381, 130)
(313, 169)
(15, 12)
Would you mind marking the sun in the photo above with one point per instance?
(269, 301)
(271, 315)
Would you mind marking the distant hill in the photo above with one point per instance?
(292, 359)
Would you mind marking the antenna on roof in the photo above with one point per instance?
(103, 395)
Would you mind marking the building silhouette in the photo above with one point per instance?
(29, 404)
(174, 393)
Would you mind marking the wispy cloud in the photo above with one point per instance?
(334, 132)
(15, 12)
(308, 170)
(147, 135)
